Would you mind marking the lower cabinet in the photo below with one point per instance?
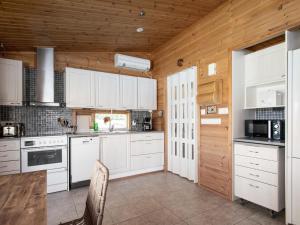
(131, 154)
(260, 174)
(115, 153)
(295, 191)
(9, 156)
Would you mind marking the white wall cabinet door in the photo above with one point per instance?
(147, 94)
(265, 66)
(107, 90)
(128, 92)
(80, 88)
(11, 78)
(115, 153)
(295, 191)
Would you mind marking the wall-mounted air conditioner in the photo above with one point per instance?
(130, 62)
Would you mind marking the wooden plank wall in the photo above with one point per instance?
(235, 24)
(101, 61)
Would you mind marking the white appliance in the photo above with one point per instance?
(47, 153)
(84, 151)
(293, 154)
(130, 62)
(182, 146)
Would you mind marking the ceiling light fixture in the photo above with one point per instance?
(140, 29)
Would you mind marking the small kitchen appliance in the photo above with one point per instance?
(147, 124)
(271, 129)
(11, 129)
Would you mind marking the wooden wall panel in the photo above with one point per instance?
(235, 24)
(102, 61)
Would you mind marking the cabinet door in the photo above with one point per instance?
(295, 191)
(80, 88)
(147, 94)
(273, 61)
(11, 72)
(107, 90)
(128, 92)
(252, 66)
(115, 153)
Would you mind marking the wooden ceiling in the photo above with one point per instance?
(96, 25)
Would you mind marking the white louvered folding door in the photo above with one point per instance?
(182, 157)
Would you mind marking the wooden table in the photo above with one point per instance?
(23, 199)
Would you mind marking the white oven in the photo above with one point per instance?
(44, 158)
(47, 153)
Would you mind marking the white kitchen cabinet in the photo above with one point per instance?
(147, 94)
(84, 153)
(11, 80)
(128, 92)
(260, 174)
(295, 191)
(80, 92)
(265, 66)
(115, 153)
(107, 90)
(9, 156)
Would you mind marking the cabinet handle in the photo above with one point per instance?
(283, 75)
(3, 156)
(256, 164)
(254, 175)
(84, 142)
(254, 152)
(254, 186)
(2, 167)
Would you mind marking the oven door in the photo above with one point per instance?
(44, 158)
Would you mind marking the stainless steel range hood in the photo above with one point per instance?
(45, 78)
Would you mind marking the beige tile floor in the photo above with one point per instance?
(159, 199)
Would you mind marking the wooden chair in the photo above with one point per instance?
(93, 214)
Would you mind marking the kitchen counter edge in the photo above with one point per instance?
(91, 134)
(263, 142)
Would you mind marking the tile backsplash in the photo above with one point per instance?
(38, 120)
(270, 114)
(139, 116)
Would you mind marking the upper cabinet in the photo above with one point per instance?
(80, 88)
(147, 93)
(128, 92)
(265, 76)
(107, 90)
(265, 66)
(100, 90)
(11, 78)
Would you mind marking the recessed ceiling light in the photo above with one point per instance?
(140, 29)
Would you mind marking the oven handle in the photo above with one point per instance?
(64, 147)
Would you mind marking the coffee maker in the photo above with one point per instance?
(147, 123)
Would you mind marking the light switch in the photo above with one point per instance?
(212, 69)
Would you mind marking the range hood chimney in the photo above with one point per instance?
(45, 78)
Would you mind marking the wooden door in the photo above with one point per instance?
(80, 88)
(11, 72)
(128, 92)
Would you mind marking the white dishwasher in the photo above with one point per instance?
(84, 151)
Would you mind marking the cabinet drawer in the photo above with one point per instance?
(9, 166)
(257, 151)
(258, 175)
(259, 193)
(57, 176)
(147, 161)
(147, 136)
(147, 147)
(9, 155)
(9, 145)
(255, 163)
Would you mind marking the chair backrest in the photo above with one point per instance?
(97, 195)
